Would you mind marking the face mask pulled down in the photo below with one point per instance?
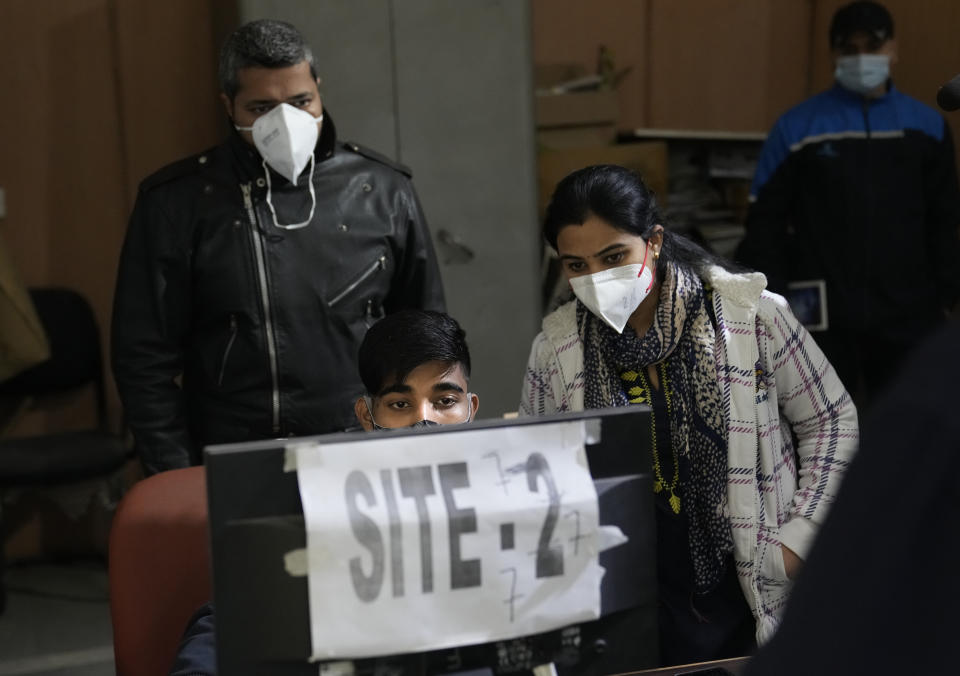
(862, 73)
(286, 137)
(614, 294)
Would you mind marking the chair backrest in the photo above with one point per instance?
(159, 568)
(75, 355)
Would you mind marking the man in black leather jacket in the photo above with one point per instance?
(242, 296)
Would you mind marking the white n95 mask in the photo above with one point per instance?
(862, 73)
(613, 295)
(286, 138)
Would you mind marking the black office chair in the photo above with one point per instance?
(76, 362)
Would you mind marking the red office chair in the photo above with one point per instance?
(159, 568)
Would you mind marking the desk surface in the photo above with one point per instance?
(734, 665)
(698, 134)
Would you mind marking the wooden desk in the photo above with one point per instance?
(734, 665)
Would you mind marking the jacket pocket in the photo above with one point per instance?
(773, 585)
(771, 569)
(366, 273)
(226, 351)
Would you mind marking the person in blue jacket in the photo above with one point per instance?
(855, 198)
(896, 617)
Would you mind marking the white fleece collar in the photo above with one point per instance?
(743, 289)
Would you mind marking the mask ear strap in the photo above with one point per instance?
(656, 262)
(646, 245)
(369, 403)
(273, 212)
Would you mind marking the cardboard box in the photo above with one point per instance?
(576, 109)
(563, 138)
(572, 119)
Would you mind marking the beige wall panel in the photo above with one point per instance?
(725, 64)
(87, 212)
(167, 63)
(821, 61)
(704, 70)
(86, 166)
(787, 56)
(571, 31)
(25, 117)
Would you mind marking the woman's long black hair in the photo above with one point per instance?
(619, 197)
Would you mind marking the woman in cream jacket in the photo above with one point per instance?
(751, 428)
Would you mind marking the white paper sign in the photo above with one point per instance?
(431, 541)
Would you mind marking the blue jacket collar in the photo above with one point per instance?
(845, 94)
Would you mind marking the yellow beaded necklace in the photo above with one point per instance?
(640, 393)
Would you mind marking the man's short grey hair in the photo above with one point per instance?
(264, 43)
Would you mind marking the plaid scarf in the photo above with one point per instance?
(683, 335)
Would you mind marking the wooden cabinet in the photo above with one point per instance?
(571, 32)
(720, 65)
(725, 65)
(734, 65)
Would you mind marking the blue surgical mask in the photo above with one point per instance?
(862, 73)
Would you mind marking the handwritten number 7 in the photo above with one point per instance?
(549, 559)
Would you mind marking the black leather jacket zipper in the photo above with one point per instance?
(226, 351)
(378, 264)
(265, 299)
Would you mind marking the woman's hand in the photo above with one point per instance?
(791, 562)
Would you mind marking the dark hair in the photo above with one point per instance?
(400, 342)
(264, 43)
(860, 17)
(619, 197)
